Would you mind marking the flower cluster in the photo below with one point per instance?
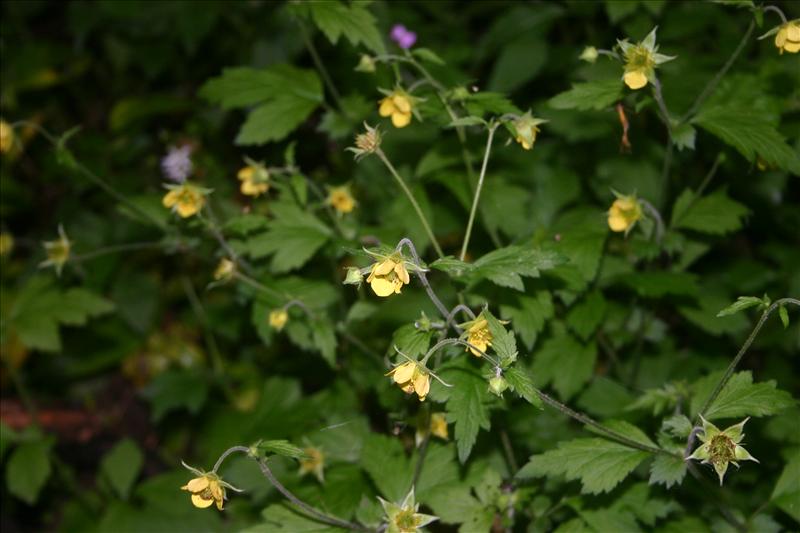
(477, 334)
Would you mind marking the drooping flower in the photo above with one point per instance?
(398, 105)
(58, 251)
(788, 37)
(720, 448)
(478, 335)
(641, 59)
(207, 488)
(185, 199)
(404, 518)
(589, 54)
(254, 178)
(177, 164)
(6, 243)
(341, 199)
(412, 377)
(6, 137)
(388, 276)
(278, 318)
(313, 463)
(526, 128)
(404, 38)
(225, 270)
(624, 213)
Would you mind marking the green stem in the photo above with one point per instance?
(477, 197)
(116, 248)
(413, 201)
(260, 286)
(211, 342)
(421, 274)
(743, 350)
(706, 180)
(321, 68)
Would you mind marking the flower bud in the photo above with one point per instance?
(498, 385)
(589, 54)
(366, 64)
(353, 277)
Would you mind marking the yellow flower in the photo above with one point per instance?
(6, 243)
(404, 518)
(397, 105)
(255, 180)
(641, 60)
(721, 447)
(206, 490)
(526, 127)
(788, 37)
(412, 377)
(341, 199)
(278, 318)
(439, 426)
(436, 426)
(313, 463)
(224, 270)
(57, 251)
(478, 335)
(624, 213)
(185, 199)
(6, 137)
(388, 276)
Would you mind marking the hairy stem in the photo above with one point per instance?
(321, 68)
(477, 197)
(408, 243)
(411, 199)
(211, 342)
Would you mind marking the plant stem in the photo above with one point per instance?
(743, 350)
(259, 286)
(307, 509)
(452, 314)
(115, 248)
(421, 275)
(509, 451)
(477, 197)
(321, 68)
(712, 85)
(609, 433)
(656, 215)
(211, 342)
(411, 199)
(226, 453)
(706, 180)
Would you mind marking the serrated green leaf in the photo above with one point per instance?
(740, 397)
(505, 266)
(529, 318)
(683, 136)
(466, 405)
(750, 133)
(741, 303)
(522, 384)
(294, 236)
(678, 425)
(281, 447)
(353, 21)
(175, 389)
(628, 430)
(324, 339)
(564, 362)
(599, 464)
(382, 454)
(27, 470)
(279, 518)
(786, 494)
(503, 342)
(411, 341)
(667, 470)
(122, 465)
(596, 95)
(715, 213)
(586, 316)
(467, 121)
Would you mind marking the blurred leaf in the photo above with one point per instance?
(466, 404)
(564, 362)
(128, 111)
(522, 384)
(280, 518)
(28, 470)
(667, 470)
(786, 494)
(281, 447)
(596, 95)
(121, 466)
(176, 389)
(529, 318)
(585, 317)
(741, 303)
(353, 21)
(715, 213)
(381, 455)
(293, 238)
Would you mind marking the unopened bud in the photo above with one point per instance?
(498, 385)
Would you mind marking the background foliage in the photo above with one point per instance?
(127, 363)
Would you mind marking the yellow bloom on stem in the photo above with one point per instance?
(224, 270)
(278, 318)
(206, 490)
(397, 105)
(478, 335)
(641, 60)
(624, 213)
(388, 276)
(6, 137)
(721, 447)
(788, 37)
(58, 251)
(412, 377)
(341, 199)
(526, 127)
(6, 243)
(313, 463)
(254, 178)
(404, 518)
(185, 199)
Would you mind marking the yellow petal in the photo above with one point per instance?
(383, 268)
(220, 504)
(246, 174)
(404, 372)
(170, 198)
(422, 384)
(402, 103)
(524, 142)
(216, 490)
(386, 107)
(635, 79)
(382, 286)
(793, 31)
(199, 501)
(792, 47)
(187, 209)
(617, 222)
(198, 484)
(402, 273)
(401, 120)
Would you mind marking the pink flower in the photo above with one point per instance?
(404, 38)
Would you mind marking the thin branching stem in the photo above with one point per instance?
(408, 243)
(326, 77)
(477, 197)
(116, 248)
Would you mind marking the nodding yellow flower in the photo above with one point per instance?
(526, 127)
(388, 276)
(788, 37)
(341, 199)
(624, 213)
(412, 377)
(404, 518)
(255, 179)
(224, 270)
(58, 251)
(6, 243)
(6, 137)
(185, 199)
(207, 488)
(397, 105)
(278, 318)
(641, 59)
(722, 447)
(439, 426)
(478, 335)
(313, 463)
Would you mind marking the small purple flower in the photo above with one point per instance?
(177, 164)
(405, 39)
